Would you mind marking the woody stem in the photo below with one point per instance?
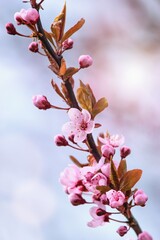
(132, 222)
(92, 146)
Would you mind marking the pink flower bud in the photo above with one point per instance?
(18, 18)
(85, 61)
(140, 198)
(116, 198)
(41, 102)
(125, 151)
(30, 16)
(60, 140)
(33, 47)
(11, 29)
(76, 199)
(107, 151)
(144, 236)
(67, 44)
(71, 139)
(122, 230)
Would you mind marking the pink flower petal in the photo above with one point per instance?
(75, 115)
(90, 126)
(69, 128)
(86, 115)
(80, 136)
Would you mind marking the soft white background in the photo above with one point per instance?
(122, 36)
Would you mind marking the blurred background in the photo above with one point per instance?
(123, 37)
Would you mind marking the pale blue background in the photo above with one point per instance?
(122, 36)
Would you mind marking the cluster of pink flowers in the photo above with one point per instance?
(78, 181)
(102, 181)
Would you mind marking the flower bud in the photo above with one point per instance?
(30, 16)
(11, 29)
(33, 47)
(107, 151)
(71, 139)
(41, 102)
(85, 61)
(122, 230)
(144, 236)
(125, 151)
(18, 17)
(67, 44)
(76, 199)
(140, 198)
(60, 140)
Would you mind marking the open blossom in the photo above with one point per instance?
(140, 198)
(113, 140)
(70, 178)
(99, 215)
(144, 236)
(116, 198)
(80, 124)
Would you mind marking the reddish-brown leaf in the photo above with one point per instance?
(129, 179)
(122, 168)
(73, 29)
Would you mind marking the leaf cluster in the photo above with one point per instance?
(88, 101)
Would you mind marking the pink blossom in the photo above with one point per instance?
(125, 151)
(41, 102)
(76, 199)
(113, 140)
(67, 44)
(85, 61)
(60, 140)
(33, 47)
(122, 230)
(80, 124)
(29, 16)
(144, 236)
(116, 198)
(11, 29)
(99, 215)
(106, 168)
(107, 151)
(18, 17)
(140, 198)
(70, 178)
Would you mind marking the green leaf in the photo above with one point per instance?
(73, 29)
(129, 179)
(122, 168)
(114, 176)
(99, 106)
